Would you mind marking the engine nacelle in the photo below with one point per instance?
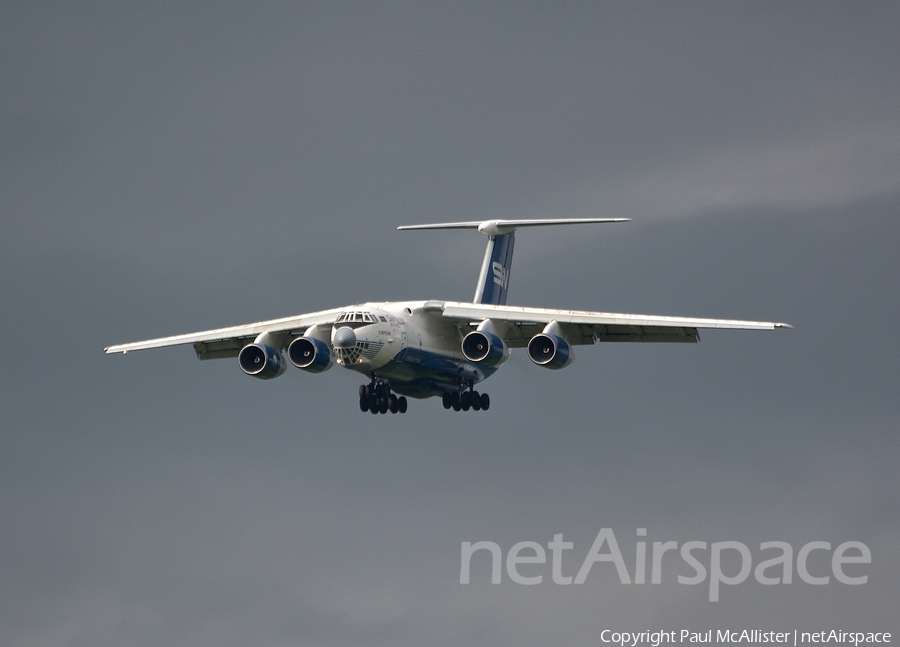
(310, 354)
(550, 351)
(485, 348)
(262, 361)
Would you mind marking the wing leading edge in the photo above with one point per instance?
(227, 342)
(582, 327)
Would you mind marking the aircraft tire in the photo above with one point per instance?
(454, 402)
(485, 402)
(392, 403)
(476, 401)
(447, 400)
(465, 400)
(363, 403)
(401, 404)
(382, 405)
(362, 391)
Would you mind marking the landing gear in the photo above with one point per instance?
(465, 400)
(377, 398)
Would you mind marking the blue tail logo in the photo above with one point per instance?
(501, 276)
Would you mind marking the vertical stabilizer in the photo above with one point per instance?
(493, 281)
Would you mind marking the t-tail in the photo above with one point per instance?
(493, 281)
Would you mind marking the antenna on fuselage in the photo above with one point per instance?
(493, 281)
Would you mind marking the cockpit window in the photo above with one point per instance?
(356, 318)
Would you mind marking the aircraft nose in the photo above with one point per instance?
(344, 337)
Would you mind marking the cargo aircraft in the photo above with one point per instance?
(420, 349)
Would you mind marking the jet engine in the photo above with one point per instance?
(485, 348)
(550, 351)
(310, 354)
(262, 361)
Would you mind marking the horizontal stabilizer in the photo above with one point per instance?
(496, 227)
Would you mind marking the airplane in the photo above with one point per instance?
(421, 349)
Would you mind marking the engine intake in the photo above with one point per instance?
(485, 348)
(262, 361)
(310, 354)
(550, 351)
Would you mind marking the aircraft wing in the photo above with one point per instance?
(228, 342)
(581, 327)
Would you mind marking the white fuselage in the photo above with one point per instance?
(408, 344)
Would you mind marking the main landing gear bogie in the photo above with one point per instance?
(465, 400)
(377, 398)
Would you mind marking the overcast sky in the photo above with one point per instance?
(167, 168)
